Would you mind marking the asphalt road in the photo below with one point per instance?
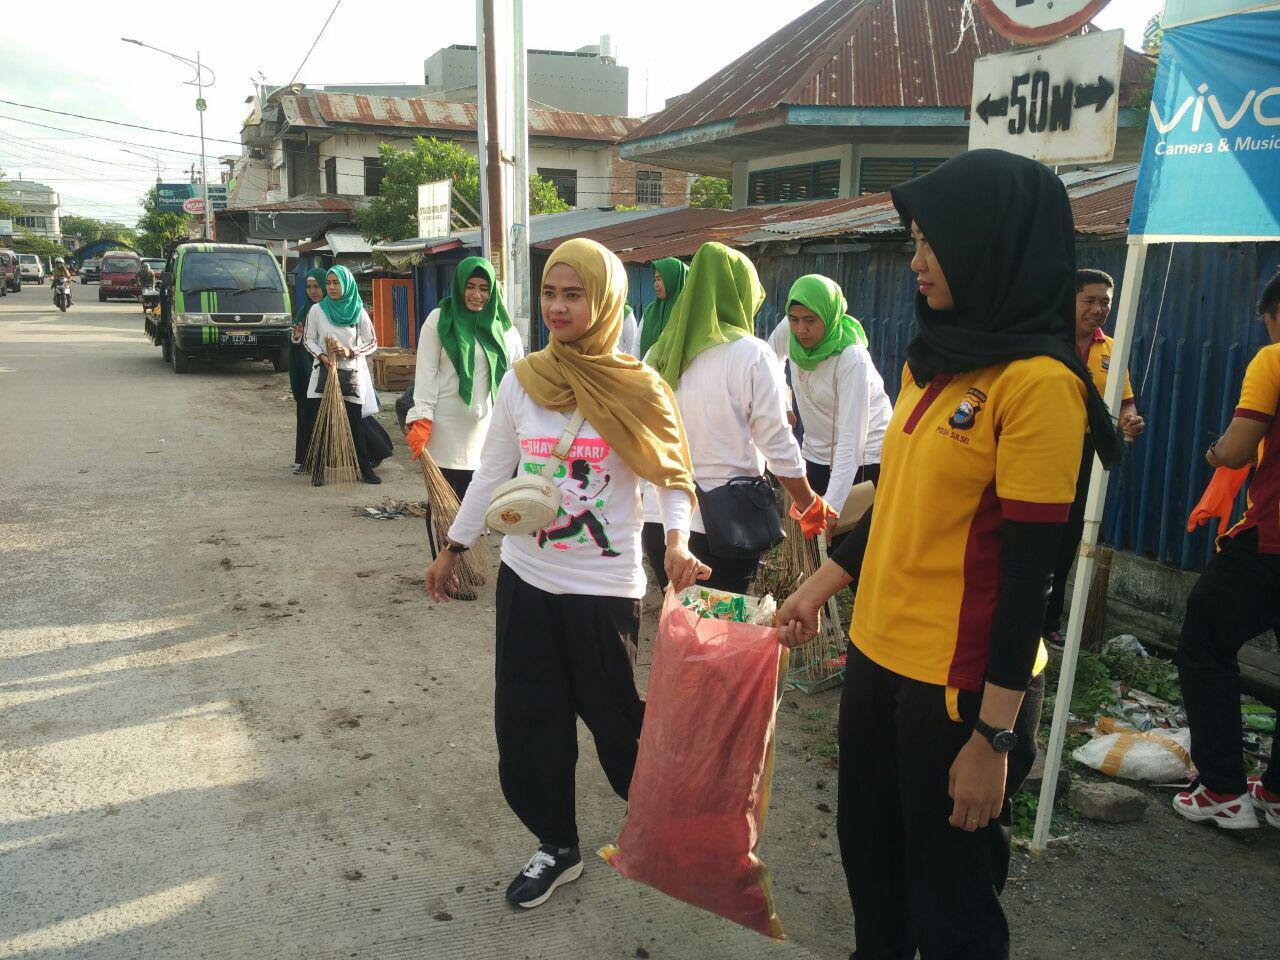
(231, 723)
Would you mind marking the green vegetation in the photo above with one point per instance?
(25, 241)
(711, 192)
(88, 230)
(393, 214)
(155, 229)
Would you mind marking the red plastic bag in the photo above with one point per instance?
(698, 797)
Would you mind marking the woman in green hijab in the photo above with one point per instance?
(340, 317)
(465, 348)
(668, 280)
(839, 393)
(300, 364)
(730, 392)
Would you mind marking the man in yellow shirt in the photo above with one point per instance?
(1236, 598)
(1094, 295)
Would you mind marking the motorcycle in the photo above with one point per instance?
(62, 293)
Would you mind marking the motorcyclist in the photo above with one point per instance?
(61, 271)
(146, 278)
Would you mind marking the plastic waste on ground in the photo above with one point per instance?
(700, 791)
(1153, 756)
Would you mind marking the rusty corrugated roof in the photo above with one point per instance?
(863, 53)
(320, 109)
(1101, 200)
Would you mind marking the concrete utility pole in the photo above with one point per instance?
(494, 209)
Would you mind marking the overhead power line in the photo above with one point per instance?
(315, 41)
(94, 136)
(120, 123)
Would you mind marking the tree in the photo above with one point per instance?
(155, 228)
(711, 192)
(393, 214)
(8, 208)
(87, 230)
(27, 242)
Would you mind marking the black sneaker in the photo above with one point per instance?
(546, 870)
(370, 477)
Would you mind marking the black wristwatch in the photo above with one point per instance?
(1002, 741)
(456, 547)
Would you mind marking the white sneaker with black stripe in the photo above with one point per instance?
(547, 869)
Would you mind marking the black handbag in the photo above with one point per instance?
(346, 381)
(741, 518)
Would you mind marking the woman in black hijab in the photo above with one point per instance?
(951, 568)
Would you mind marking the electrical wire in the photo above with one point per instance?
(94, 136)
(314, 42)
(118, 123)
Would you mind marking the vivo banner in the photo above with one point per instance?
(1211, 161)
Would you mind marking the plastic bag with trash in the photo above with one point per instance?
(1153, 756)
(698, 797)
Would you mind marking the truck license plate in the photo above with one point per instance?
(238, 339)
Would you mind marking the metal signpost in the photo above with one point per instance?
(435, 209)
(1056, 104)
(1208, 174)
(1039, 21)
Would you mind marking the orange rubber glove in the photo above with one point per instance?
(816, 519)
(418, 436)
(1218, 498)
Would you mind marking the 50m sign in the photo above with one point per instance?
(1038, 21)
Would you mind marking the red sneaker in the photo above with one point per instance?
(1227, 812)
(1265, 800)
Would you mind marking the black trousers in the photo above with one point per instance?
(733, 574)
(354, 419)
(1236, 598)
(459, 480)
(915, 881)
(1070, 546)
(560, 657)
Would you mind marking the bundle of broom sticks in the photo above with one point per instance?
(331, 454)
(471, 566)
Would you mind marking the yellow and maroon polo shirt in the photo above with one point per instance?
(1099, 362)
(1260, 400)
(961, 454)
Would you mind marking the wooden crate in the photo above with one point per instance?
(392, 369)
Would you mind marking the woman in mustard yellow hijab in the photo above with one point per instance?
(568, 595)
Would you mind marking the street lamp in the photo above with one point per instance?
(199, 83)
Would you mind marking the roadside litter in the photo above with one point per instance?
(390, 509)
(1154, 756)
(700, 790)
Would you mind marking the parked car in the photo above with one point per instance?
(10, 272)
(90, 270)
(119, 275)
(221, 300)
(32, 268)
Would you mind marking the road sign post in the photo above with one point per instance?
(1056, 104)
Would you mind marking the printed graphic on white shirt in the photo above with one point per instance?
(584, 519)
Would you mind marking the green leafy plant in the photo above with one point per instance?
(156, 228)
(713, 192)
(27, 242)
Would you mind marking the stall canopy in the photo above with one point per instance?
(1210, 166)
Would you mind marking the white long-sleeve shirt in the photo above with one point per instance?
(732, 401)
(358, 337)
(457, 430)
(849, 378)
(593, 545)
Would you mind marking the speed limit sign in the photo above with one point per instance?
(1038, 21)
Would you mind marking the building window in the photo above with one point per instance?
(806, 181)
(649, 187)
(373, 174)
(331, 175)
(35, 223)
(566, 182)
(303, 162)
(878, 174)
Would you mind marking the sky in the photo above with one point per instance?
(84, 68)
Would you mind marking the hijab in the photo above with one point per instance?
(319, 273)
(346, 310)
(656, 314)
(718, 304)
(622, 398)
(461, 328)
(1002, 230)
(824, 297)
